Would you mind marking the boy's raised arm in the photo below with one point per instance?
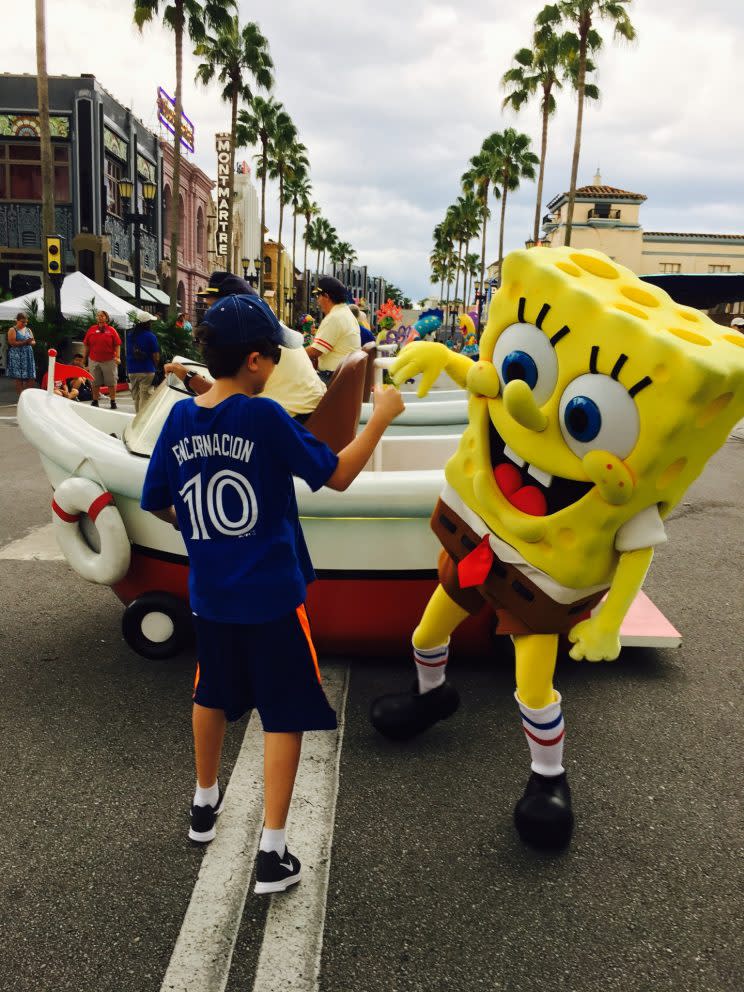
(352, 459)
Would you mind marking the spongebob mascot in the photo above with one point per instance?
(595, 403)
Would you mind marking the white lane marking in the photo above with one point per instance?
(201, 958)
(289, 960)
(39, 545)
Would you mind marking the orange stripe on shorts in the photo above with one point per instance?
(196, 678)
(305, 624)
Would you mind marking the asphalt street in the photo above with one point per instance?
(429, 887)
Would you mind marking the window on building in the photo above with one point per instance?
(719, 268)
(114, 172)
(671, 266)
(267, 265)
(167, 206)
(200, 232)
(20, 172)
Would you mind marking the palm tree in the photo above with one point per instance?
(192, 17)
(516, 162)
(308, 209)
(465, 217)
(314, 237)
(296, 191)
(330, 237)
(470, 265)
(343, 252)
(539, 68)
(256, 126)
(233, 54)
(582, 14)
(479, 179)
(286, 158)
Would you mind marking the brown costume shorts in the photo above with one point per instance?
(505, 588)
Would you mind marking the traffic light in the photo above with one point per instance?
(54, 255)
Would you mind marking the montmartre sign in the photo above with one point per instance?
(223, 145)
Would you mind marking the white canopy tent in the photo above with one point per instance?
(79, 295)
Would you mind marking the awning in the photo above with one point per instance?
(700, 290)
(148, 294)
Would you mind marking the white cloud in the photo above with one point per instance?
(393, 98)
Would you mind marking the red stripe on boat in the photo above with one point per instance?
(69, 518)
(98, 504)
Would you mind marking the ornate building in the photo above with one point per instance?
(95, 142)
(194, 208)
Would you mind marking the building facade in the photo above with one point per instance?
(95, 142)
(194, 208)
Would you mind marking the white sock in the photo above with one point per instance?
(545, 732)
(431, 665)
(273, 840)
(207, 797)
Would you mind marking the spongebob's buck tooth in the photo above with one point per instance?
(544, 478)
(513, 456)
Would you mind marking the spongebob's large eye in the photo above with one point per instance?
(597, 414)
(523, 352)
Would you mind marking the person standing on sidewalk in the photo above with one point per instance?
(102, 354)
(143, 358)
(222, 473)
(21, 364)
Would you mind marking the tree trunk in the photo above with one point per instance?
(47, 167)
(317, 265)
(457, 270)
(577, 139)
(264, 166)
(231, 183)
(305, 279)
(541, 174)
(294, 266)
(175, 221)
(441, 289)
(280, 268)
(483, 241)
(501, 229)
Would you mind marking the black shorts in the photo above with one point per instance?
(271, 667)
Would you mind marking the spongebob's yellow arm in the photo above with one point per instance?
(429, 359)
(598, 638)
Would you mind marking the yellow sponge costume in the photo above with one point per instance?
(595, 403)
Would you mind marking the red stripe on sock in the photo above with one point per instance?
(430, 664)
(547, 743)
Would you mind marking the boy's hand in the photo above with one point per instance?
(388, 402)
(176, 368)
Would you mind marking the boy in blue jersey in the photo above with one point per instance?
(222, 473)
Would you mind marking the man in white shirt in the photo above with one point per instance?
(338, 334)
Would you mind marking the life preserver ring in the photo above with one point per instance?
(76, 498)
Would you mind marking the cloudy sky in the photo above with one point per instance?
(393, 98)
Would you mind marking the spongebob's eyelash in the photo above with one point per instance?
(544, 311)
(615, 374)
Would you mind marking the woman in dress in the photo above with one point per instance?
(21, 364)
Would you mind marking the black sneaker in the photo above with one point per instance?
(275, 874)
(113, 405)
(543, 816)
(402, 715)
(203, 827)
(94, 403)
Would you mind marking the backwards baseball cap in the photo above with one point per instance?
(225, 284)
(333, 287)
(243, 319)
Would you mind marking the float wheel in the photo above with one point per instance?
(157, 625)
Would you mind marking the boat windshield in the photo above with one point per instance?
(144, 430)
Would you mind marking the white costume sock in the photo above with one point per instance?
(273, 840)
(431, 665)
(207, 797)
(545, 732)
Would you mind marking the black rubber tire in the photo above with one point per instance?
(160, 602)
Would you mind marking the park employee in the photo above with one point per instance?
(338, 333)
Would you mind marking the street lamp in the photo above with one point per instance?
(149, 192)
(256, 271)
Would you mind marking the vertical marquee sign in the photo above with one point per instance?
(223, 144)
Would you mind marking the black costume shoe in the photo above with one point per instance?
(543, 815)
(400, 716)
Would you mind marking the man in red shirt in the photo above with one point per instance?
(102, 353)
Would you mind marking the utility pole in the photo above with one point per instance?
(47, 167)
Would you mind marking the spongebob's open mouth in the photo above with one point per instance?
(528, 488)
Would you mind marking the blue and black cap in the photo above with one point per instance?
(242, 319)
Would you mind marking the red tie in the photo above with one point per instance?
(474, 567)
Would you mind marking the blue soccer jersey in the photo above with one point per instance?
(228, 472)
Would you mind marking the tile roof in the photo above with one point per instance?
(608, 191)
(692, 234)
